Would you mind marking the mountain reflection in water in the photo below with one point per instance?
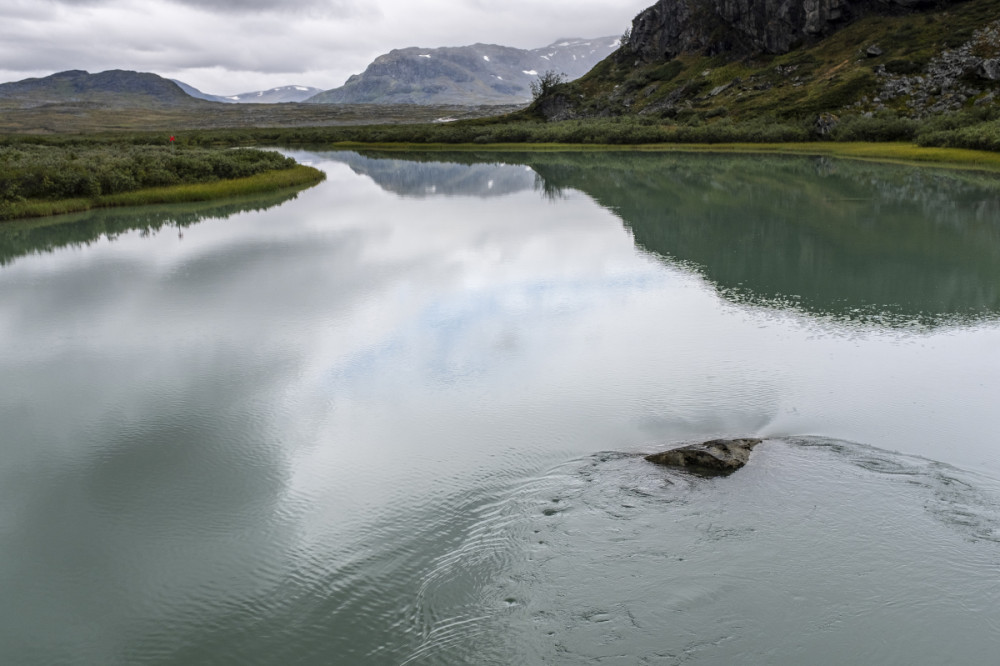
(875, 243)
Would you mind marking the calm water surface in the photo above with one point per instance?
(394, 419)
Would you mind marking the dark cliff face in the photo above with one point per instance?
(747, 27)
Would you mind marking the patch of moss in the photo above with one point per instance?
(667, 71)
(839, 92)
(903, 66)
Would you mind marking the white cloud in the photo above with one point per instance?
(233, 46)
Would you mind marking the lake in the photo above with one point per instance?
(396, 418)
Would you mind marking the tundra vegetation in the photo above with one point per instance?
(39, 178)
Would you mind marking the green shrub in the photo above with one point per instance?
(981, 136)
(33, 170)
(885, 128)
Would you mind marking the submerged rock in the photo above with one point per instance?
(718, 456)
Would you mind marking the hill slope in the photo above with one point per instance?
(113, 88)
(197, 94)
(797, 59)
(477, 74)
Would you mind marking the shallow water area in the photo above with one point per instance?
(397, 417)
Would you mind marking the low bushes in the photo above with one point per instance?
(257, 184)
(875, 128)
(39, 171)
(981, 136)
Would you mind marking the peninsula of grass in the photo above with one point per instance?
(38, 180)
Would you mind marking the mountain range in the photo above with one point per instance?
(480, 74)
(476, 74)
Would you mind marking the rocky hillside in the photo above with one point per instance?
(707, 59)
(477, 74)
(747, 27)
(113, 88)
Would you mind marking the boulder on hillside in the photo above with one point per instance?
(715, 457)
(989, 69)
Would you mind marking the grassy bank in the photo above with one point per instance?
(270, 181)
(977, 129)
(49, 178)
(91, 117)
(53, 175)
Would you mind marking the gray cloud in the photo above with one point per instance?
(234, 46)
(326, 8)
(321, 7)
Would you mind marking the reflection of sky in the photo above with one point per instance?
(414, 294)
(327, 361)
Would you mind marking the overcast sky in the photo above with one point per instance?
(232, 46)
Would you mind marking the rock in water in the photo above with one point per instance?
(718, 456)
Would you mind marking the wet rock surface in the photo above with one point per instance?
(715, 457)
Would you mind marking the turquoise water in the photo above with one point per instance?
(395, 418)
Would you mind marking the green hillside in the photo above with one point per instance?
(907, 66)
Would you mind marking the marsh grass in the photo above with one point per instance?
(266, 182)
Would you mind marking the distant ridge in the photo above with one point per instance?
(277, 95)
(468, 75)
(114, 87)
(125, 88)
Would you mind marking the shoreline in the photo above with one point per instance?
(304, 176)
(262, 183)
(889, 152)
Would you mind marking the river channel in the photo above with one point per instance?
(397, 418)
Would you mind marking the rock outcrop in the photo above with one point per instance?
(715, 457)
(747, 27)
(949, 80)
